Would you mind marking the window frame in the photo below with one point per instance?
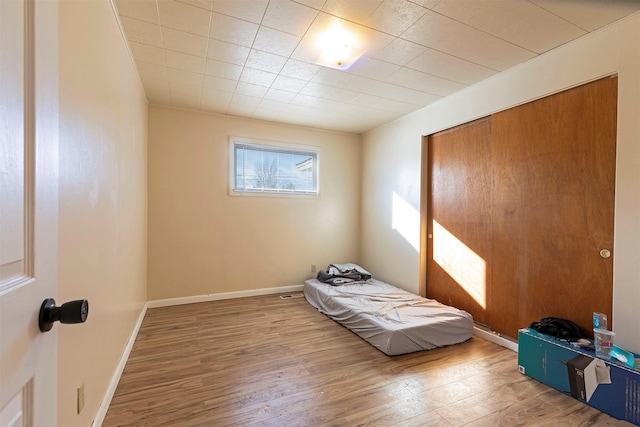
(271, 146)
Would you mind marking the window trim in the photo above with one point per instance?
(270, 145)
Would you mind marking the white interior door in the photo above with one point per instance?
(28, 209)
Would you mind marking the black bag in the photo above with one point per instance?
(559, 328)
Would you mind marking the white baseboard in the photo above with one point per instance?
(495, 338)
(106, 400)
(222, 296)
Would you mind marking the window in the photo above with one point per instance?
(276, 169)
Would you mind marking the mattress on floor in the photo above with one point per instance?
(391, 319)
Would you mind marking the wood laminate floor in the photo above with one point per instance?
(264, 361)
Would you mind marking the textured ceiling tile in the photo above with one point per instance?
(316, 4)
(494, 53)
(240, 99)
(184, 62)
(268, 104)
(249, 10)
(315, 89)
(305, 100)
(366, 100)
(180, 41)
(380, 115)
(232, 30)
(297, 112)
(426, 3)
(142, 32)
(265, 61)
(373, 68)
(357, 83)
(397, 106)
(394, 16)
(334, 78)
(374, 41)
(460, 40)
(491, 16)
(257, 77)
(218, 83)
(227, 52)
(590, 15)
(222, 69)
(440, 64)
(153, 71)
(400, 52)
(519, 22)
(183, 17)
(251, 90)
(541, 32)
(147, 53)
(442, 33)
(214, 105)
(203, 4)
(210, 95)
(289, 17)
(274, 41)
(265, 114)
(185, 77)
(288, 83)
(243, 110)
(299, 69)
(142, 10)
(424, 82)
(353, 10)
(279, 95)
(187, 102)
(185, 90)
(360, 125)
(331, 105)
(342, 95)
(403, 94)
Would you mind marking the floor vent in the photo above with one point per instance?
(290, 296)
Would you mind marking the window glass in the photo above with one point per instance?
(274, 169)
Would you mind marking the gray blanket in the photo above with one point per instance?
(339, 274)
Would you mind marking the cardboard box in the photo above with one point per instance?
(608, 386)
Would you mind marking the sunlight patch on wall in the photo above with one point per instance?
(406, 221)
(461, 263)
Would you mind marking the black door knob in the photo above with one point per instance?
(69, 312)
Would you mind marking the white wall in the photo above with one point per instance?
(204, 241)
(391, 157)
(102, 201)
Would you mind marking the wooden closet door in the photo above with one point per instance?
(553, 163)
(458, 218)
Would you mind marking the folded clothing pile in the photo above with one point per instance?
(339, 274)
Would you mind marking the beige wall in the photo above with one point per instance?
(391, 157)
(204, 241)
(102, 205)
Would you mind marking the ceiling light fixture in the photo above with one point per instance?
(339, 48)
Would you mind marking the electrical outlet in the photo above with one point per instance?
(313, 268)
(80, 397)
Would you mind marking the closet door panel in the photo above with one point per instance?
(553, 164)
(458, 218)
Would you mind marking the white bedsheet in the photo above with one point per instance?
(391, 319)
